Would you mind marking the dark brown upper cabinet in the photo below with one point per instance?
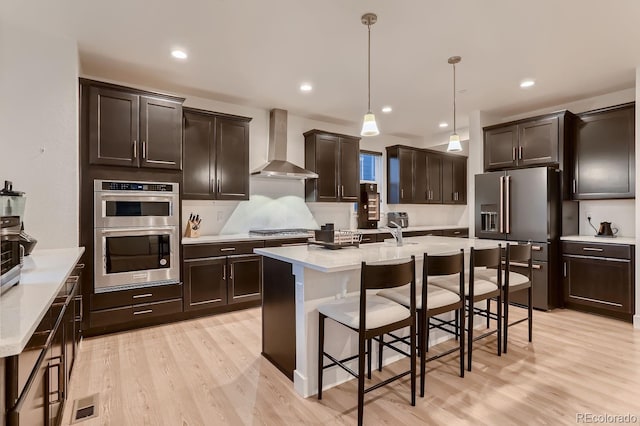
(538, 141)
(132, 128)
(604, 154)
(216, 156)
(419, 176)
(454, 180)
(336, 160)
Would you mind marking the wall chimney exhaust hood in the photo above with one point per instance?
(278, 166)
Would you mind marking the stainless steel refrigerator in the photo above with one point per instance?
(524, 205)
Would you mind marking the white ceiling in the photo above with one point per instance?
(257, 52)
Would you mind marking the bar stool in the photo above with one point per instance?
(437, 301)
(370, 316)
(482, 283)
(518, 256)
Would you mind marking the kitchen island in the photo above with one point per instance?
(299, 278)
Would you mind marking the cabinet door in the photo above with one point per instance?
(605, 155)
(31, 408)
(232, 159)
(326, 160)
(245, 278)
(500, 147)
(205, 283)
(55, 382)
(538, 142)
(454, 180)
(160, 133)
(113, 127)
(197, 177)
(420, 183)
(349, 169)
(434, 178)
(598, 283)
(406, 159)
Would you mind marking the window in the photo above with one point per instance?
(370, 166)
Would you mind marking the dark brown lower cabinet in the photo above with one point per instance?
(219, 281)
(597, 283)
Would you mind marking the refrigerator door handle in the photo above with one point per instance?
(501, 204)
(507, 202)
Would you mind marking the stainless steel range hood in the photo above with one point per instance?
(278, 166)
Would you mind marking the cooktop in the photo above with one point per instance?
(289, 231)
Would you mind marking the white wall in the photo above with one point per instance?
(636, 318)
(39, 130)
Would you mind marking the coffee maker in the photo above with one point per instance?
(12, 203)
(368, 206)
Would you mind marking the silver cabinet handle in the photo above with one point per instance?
(79, 299)
(520, 149)
(575, 185)
(144, 150)
(135, 149)
(401, 193)
(342, 191)
(80, 265)
(231, 272)
(564, 269)
(147, 311)
(536, 248)
(228, 249)
(592, 249)
(141, 296)
(224, 273)
(501, 204)
(513, 154)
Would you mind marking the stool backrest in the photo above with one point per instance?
(488, 258)
(381, 276)
(443, 264)
(520, 254)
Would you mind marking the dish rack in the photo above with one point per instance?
(335, 239)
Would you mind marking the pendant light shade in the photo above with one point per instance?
(369, 125)
(454, 139)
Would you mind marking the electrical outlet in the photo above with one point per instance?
(588, 215)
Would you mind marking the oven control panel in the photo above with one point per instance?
(134, 186)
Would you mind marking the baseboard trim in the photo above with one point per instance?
(636, 321)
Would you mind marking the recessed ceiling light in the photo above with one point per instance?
(179, 54)
(443, 125)
(527, 83)
(387, 109)
(306, 87)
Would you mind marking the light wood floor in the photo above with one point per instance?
(210, 372)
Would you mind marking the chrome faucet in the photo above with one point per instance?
(397, 235)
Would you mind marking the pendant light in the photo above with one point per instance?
(369, 126)
(454, 139)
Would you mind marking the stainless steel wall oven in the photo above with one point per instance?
(136, 234)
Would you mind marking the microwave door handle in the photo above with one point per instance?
(131, 230)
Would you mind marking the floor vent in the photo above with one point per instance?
(85, 408)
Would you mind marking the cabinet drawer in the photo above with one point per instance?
(116, 299)
(616, 251)
(287, 242)
(195, 251)
(143, 311)
(462, 232)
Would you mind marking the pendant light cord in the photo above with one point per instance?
(369, 69)
(454, 98)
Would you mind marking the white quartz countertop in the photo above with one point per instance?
(23, 306)
(325, 260)
(601, 240)
(204, 239)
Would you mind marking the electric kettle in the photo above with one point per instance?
(606, 231)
